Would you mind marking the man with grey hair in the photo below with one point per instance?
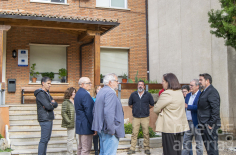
(84, 116)
(191, 102)
(108, 116)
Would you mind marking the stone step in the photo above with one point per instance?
(34, 144)
(34, 117)
(36, 137)
(53, 144)
(27, 108)
(30, 121)
(18, 112)
(34, 125)
(29, 116)
(35, 131)
(58, 151)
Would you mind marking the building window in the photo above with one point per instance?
(114, 61)
(112, 3)
(50, 1)
(48, 58)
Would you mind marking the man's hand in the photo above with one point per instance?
(186, 105)
(44, 107)
(209, 127)
(95, 133)
(131, 106)
(150, 106)
(53, 101)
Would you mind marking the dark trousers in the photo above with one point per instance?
(95, 142)
(172, 143)
(210, 139)
(46, 130)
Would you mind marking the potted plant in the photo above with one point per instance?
(50, 75)
(124, 78)
(101, 78)
(62, 74)
(33, 73)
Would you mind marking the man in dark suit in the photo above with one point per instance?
(208, 112)
(84, 116)
(191, 102)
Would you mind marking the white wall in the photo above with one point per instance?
(180, 42)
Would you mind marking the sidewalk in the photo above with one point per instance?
(225, 148)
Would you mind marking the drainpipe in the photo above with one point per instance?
(147, 39)
(80, 54)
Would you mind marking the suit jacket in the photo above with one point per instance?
(170, 109)
(193, 107)
(84, 112)
(208, 110)
(108, 113)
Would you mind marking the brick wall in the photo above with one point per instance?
(130, 33)
(19, 38)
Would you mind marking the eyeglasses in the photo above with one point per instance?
(191, 85)
(88, 83)
(115, 80)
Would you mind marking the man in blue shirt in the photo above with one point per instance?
(191, 102)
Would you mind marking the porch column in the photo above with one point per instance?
(97, 59)
(3, 28)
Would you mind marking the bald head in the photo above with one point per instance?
(84, 82)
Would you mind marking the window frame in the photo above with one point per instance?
(48, 1)
(125, 1)
(55, 73)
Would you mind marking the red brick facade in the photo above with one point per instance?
(130, 33)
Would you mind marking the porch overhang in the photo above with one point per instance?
(85, 28)
(80, 25)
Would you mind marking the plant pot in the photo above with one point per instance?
(124, 80)
(34, 80)
(63, 80)
(101, 80)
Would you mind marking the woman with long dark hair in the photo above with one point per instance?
(172, 120)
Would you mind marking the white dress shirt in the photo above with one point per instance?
(190, 102)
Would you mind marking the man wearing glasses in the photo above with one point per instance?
(84, 116)
(108, 116)
(191, 102)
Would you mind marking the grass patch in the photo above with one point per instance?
(6, 150)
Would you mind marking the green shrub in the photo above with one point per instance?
(129, 128)
(154, 91)
(151, 133)
(1, 136)
(220, 131)
(50, 75)
(6, 150)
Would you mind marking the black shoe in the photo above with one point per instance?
(147, 152)
(131, 152)
(96, 152)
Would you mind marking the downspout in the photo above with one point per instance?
(147, 39)
(80, 54)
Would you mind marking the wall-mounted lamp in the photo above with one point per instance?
(14, 53)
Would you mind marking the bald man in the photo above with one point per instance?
(84, 116)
